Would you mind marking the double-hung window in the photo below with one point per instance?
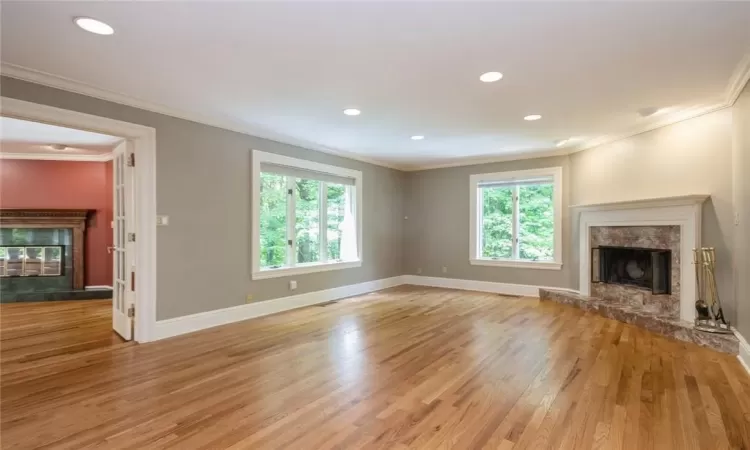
(516, 219)
(306, 216)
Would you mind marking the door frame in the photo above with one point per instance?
(143, 139)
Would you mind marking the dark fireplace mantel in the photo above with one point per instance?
(74, 219)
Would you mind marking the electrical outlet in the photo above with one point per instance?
(419, 271)
(292, 285)
(249, 298)
(445, 269)
(162, 221)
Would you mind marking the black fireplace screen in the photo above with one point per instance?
(645, 268)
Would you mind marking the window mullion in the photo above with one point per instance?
(480, 224)
(291, 220)
(516, 223)
(323, 222)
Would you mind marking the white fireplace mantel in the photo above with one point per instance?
(684, 211)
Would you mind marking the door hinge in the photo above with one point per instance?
(131, 311)
(131, 237)
(131, 160)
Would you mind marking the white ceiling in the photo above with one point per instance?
(287, 70)
(22, 137)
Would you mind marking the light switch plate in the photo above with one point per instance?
(292, 285)
(162, 221)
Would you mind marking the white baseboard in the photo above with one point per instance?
(195, 322)
(90, 288)
(744, 356)
(525, 290)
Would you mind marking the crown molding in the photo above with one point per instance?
(735, 86)
(70, 85)
(739, 80)
(61, 157)
(471, 161)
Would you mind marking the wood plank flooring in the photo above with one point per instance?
(409, 367)
(35, 333)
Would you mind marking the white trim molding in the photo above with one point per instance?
(61, 157)
(200, 321)
(518, 264)
(144, 144)
(525, 290)
(96, 288)
(509, 178)
(195, 322)
(684, 211)
(744, 356)
(259, 158)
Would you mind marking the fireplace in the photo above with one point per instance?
(42, 254)
(643, 268)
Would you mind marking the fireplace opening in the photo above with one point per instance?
(644, 268)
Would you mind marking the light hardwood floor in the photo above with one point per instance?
(403, 368)
(37, 333)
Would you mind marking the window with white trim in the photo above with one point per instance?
(306, 216)
(516, 218)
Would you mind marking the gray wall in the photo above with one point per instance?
(203, 184)
(437, 231)
(741, 162)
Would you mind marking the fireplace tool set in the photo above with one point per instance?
(709, 315)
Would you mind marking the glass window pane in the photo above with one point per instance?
(537, 222)
(307, 228)
(497, 222)
(273, 202)
(336, 214)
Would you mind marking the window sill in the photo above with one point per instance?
(303, 269)
(544, 265)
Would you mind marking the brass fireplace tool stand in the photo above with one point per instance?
(709, 315)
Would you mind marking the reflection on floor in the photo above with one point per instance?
(409, 367)
(40, 333)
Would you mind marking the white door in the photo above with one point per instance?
(123, 295)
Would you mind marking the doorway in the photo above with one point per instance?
(133, 220)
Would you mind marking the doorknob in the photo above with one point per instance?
(109, 249)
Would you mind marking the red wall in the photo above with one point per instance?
(66, 185)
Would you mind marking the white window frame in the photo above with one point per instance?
(259, 158)
(475, 251)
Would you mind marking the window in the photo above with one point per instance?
(516, 219)
(306, 216)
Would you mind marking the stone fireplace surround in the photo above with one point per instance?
(660, 237)
(669, 223)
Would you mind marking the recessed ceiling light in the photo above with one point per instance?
(490, 77)
(352, 112)
(417, 138)
(94, 26)
(532, 117)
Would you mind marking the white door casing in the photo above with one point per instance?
(123, 295)
(142, 140)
